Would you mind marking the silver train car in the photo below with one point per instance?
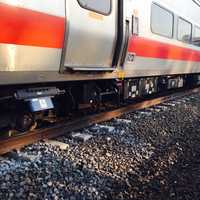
(61, 54)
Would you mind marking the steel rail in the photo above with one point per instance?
(17, 142)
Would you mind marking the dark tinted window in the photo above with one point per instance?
(101, 6)
(184, 30)
(162, 21)
(196, 36)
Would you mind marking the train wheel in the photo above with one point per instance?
(25, 122)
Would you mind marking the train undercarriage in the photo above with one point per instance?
(24, 108)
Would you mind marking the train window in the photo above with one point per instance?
(100, 6)
(162, 21)
(184, 30)
(196, 36)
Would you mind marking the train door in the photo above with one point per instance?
(125, 30)
(91, 34)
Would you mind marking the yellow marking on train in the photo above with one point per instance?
(95, 16)
(121, 74)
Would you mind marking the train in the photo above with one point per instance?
(56, 56)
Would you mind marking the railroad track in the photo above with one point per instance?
(16, 142)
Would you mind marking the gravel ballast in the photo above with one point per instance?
(149, 154)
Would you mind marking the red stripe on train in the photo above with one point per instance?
(26, 27)
(153, 49)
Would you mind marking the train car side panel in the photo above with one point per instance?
(32, 37)
(158, 55)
